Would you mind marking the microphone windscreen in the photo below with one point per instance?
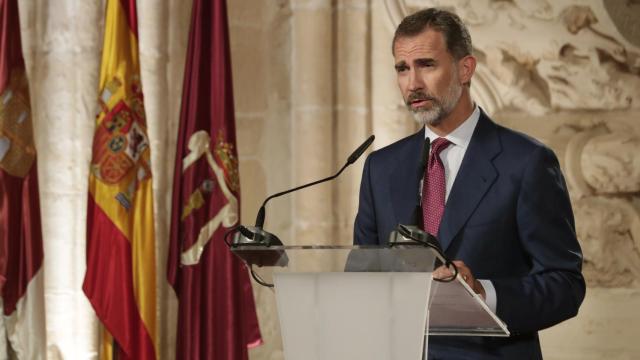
(358, 152)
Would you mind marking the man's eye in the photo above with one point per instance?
(401, 68)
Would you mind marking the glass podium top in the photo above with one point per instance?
(454, 309)
(319, 258)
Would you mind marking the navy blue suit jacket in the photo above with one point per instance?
(508, 217)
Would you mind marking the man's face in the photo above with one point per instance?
(427, 76)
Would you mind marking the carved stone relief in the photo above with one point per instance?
(603, 173)
(616, 261)
(540, 56)
(611, 163)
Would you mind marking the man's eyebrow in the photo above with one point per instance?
(426, 61)
(400, 65)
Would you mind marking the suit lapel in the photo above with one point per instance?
(404, 180)
(476, 175)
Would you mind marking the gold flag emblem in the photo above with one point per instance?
(120, 142)
(17, 150)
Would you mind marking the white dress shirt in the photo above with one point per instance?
(451, 158)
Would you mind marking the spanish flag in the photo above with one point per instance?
(120, 279)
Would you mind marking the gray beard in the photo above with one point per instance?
(441, 107)
(431, 117)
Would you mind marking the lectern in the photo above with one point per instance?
(364, 302)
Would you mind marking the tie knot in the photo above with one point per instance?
(438, 145)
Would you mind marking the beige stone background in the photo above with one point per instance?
(314, 78)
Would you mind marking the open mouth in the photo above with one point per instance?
(418, 103)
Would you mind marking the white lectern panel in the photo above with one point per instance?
(347, 316)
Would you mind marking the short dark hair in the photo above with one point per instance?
(449, 24)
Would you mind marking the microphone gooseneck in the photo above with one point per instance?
(260, 217)
(270, 252)
(416, 216)
(424, 155)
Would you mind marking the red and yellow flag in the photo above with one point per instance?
(120, 278)
(21, 253)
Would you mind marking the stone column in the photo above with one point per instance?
(390, 119)
(162, 55)
(62, 44)
(352, 106)
(260, 55)
(312, 121)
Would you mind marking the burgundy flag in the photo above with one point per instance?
(217, 317)
(21, 255)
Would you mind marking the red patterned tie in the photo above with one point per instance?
(434, 188)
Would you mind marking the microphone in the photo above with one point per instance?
(358, 152)
(255, 235)
(424, 156)
(352, 158)
(416, 216)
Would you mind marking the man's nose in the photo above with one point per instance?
(415, 81)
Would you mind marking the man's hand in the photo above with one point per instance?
(465, 273)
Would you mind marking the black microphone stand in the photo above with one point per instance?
(256, 236)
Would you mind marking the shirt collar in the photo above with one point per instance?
(461, 136)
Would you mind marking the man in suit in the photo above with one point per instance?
(496, 199)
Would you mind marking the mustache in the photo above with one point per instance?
(419, 96)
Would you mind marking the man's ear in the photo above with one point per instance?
(466, 69)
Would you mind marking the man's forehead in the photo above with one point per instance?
(429, 43)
